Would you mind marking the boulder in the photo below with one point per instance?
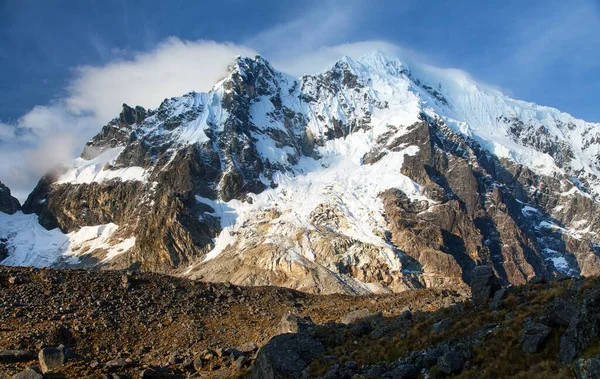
(560, 312)
(116, 364)
(533, 336)
(587, 368)
(359, 315)
(583, 327)
(440, 326)
(404, 371)
(51, 359)
(28, 374)
(13, 356)
(497, 300)
(294, 324)
(286, 356)
(247, 348)
(483, 284)
(450, 363)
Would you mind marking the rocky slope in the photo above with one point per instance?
(369, 177)
(133, 324)
(127, 324)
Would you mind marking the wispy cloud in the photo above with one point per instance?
(54, 133)
(325, 24)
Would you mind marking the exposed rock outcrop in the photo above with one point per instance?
(8, 204)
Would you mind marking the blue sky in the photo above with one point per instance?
(541, 51)
(68, 65)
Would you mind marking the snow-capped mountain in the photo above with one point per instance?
(370, 177)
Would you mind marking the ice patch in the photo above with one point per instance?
(96, 170)
(30, 244)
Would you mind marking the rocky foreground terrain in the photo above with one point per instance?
(126, 324)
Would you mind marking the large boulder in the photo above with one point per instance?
(286, 356)
(587, 368)
(560, 312)
(358, 315)
(294, 324)
(483, 284)
(583, 327)
(533, 336)
(450, 363)
(51, 359)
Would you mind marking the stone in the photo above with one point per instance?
(440, 326)
(406, 315)
(533, 336)
(450, 363)
(286, 356)
(560, 312)
(240, 362)
(294, 324)
(583, 327)
(351, 365)
(13, 356)
(51, 359)
(404, 371)
(431, 357)
(246, 348)
(483, 284)
(497, 300)
(149, 373)
(116, 364)
(28, 374)
(357, 316)
(198, 363)
(587, 368)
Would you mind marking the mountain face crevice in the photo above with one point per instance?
(369, 177)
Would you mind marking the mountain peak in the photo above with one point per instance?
(367, 177)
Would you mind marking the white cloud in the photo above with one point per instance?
(52, 134)
(175, 67)
(319, 59)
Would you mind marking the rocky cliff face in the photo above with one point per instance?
(8, 204)
(369, 177)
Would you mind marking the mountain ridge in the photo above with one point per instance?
(369, 177)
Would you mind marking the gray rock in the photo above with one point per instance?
(28, 374)
(294, 324)
(533, 335)
(240, 362)
(116, 363)
(587, 368)
(404, 371)
(51, 359)
(440, 326)
(431, 356)
(497, 300)
(584, 326)
(13, 356)
(359, 315)
(246, 348)
(198, 363)
(560, 312)
(286, 356)
(450, 363)
(483, 284)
